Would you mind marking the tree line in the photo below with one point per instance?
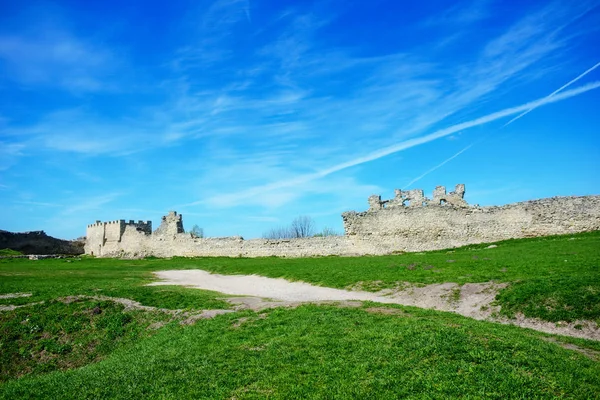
(301, 227)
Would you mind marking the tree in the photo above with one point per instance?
(197, 232)
(301, 227)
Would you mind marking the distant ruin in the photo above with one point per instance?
(416, 198)
(408, 222)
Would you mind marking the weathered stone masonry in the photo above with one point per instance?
(408, 222)
(107, 235)
(448, 221)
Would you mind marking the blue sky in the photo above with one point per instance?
(242, 114)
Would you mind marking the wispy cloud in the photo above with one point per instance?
(259, 106)
(461, 14)
(307, 97)
(233, 199)
(90, 204)
(75, 213)
(527, 111)
(212, 41)
(308, 91)
(9, 154)
(290, 88)
(53, 57)
(38, 203)
(81, 131)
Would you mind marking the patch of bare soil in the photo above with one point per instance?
(11, 307)
(386, 311)
(472, 300)
(589, 353)
(261, 303)
(190, 317)
(14, 295)
(579, 329)
(243, 320)
(206, 314)
(129, 304)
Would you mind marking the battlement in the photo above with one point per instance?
(100, 223)
(140, 225)
(100, 233)
(415, 198)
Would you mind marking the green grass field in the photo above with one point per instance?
(93, 349)
(9, 252)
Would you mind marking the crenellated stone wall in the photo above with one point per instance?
(408, 222)
(102, 235)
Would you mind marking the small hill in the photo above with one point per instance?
(37, 242)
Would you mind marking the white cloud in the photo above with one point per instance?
(262, 192)
(53, 57)
(461, 14)
(81, 131)
(292, 110)
(89, 204)
(373, 106)
(38, 203)
(9, 154)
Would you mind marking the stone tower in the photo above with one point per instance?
(171, 224)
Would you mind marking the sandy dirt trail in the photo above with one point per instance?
(260, 286)
(471, 300)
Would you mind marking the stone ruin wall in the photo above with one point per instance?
(408, 222)
(448, 221)
(103, 236)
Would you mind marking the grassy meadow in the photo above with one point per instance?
(63, 347)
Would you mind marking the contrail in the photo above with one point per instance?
(235, 198)
(453, 129)
(560, 89)
(439, 165)
(247, 11)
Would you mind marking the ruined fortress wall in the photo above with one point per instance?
(387, 227)
(94, 238)
(134, 244)
(113, 230)
(437, 227)
(101, 237)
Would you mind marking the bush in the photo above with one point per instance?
(327, 232)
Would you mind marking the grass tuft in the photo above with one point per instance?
(58, 336)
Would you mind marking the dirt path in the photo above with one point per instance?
(471, 300)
